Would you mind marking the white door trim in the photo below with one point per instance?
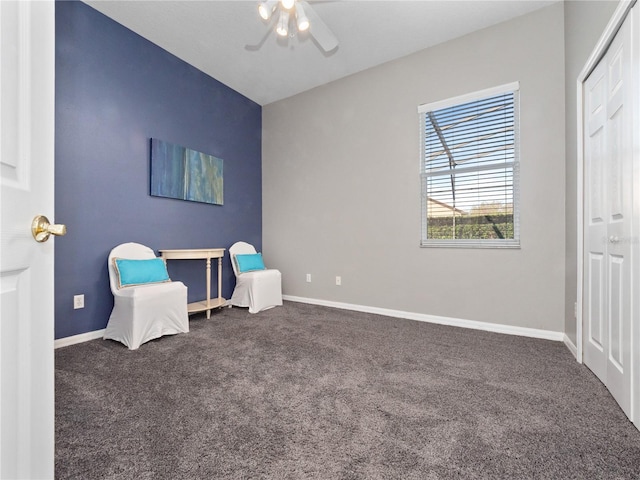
(598, 52)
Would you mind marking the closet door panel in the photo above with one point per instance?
(595, 225)
(618, 176)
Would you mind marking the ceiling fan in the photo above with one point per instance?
(297, 15)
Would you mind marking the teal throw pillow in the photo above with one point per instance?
(140, 272)
(249, 262)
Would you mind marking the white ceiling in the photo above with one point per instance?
(229, 41)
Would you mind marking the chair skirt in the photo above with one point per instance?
(259, 290)
(146, 312)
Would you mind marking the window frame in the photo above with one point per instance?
(423, 111)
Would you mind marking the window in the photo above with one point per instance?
(469, 170)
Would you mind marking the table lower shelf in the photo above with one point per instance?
(202, 305)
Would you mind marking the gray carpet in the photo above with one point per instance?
(303, 391)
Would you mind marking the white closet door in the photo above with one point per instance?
(608, 218)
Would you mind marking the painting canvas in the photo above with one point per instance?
(179, 172)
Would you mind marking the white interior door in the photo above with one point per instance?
(27, 57)
(608, 187)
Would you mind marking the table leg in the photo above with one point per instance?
(219, 278)
(208, 288)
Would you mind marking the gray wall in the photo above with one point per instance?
(341, 190)
(584, 22)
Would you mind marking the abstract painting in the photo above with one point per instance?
(179, 172)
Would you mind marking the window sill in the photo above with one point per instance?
(501, 244)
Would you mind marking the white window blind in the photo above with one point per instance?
(470, 170)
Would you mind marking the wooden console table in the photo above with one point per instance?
(207, 254)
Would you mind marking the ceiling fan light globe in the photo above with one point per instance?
(303, 25)
(264, 13)
(265, 9)
(301, 18)
(288, 4)
(282, 28)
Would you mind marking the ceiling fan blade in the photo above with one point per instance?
(257, 43)
(319, 30)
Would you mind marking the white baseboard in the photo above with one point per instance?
(571, 346)
(421, 317)
(83, 337)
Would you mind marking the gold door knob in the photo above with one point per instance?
(42, 229)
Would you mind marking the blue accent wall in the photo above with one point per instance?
(115, 91)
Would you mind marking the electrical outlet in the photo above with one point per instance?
(338, 281)
(308, 278)
(78, 302)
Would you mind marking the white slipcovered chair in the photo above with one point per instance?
(143, 311)
(258, 289)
